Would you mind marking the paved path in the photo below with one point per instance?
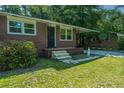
(70, 61)
(84, 59)
(106, 53)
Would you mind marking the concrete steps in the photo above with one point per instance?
(64, 56)
(61, 55)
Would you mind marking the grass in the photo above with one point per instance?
(80, 56)
(102, 72)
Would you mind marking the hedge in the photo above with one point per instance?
(17, 54)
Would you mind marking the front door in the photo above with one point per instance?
(51, 37)
(80, 39)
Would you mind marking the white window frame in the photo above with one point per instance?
(15, 27)
(66, 29)
(30, 28)
(22, 28)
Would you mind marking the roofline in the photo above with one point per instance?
(56, 23)
(119, 34)
(48, 21)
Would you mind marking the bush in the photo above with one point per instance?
(14, 54)
(121, 43)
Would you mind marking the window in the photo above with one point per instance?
(66, 34)
(15, 27)
(29, 28)
(69, 34)
(63, 34)
(21, 28)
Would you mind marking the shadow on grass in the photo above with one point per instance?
(60, 65)
(43, 63)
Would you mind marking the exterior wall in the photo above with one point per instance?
(3, 27)
(39, 39)
(112, 43)
(61, 44)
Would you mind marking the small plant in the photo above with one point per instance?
(14, 54)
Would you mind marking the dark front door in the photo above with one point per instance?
(80, 39)
(51, 37)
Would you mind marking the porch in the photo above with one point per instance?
(47, 52)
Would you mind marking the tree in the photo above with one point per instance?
(92, 17)
(110, 21)
(11, 9)
(37, 11)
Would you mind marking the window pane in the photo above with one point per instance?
(69, 37)
(63, 34)
(29, 26)
(29, 31)
(15, 24)
(69, 34)
(15, 30)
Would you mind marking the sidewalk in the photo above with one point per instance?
(106, 53)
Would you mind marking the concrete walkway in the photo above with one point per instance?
(106, 53)
(84, 59)
(71, 61)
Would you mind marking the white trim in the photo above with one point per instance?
(118, 34)
(55, 35)
(13, 18)
(51, 25)
(22, 27)
(66, 28)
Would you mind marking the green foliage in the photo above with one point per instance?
(92, 17)
(89, 37)
(85, 16)
(103, 36)
(11, 9)
(15, 54)
(110, 21)
(121, 43)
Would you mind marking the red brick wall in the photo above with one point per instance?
(112, 43)
(65, 43)
(39, 39)
(3, 27)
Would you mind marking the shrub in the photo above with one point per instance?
(121, 43)
(14, 54)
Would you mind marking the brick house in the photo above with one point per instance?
(46, 35)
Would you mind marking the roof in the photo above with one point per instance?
(48, 21)
(120, 35)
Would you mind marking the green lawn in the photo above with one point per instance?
(102, 72)
(80, 56)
